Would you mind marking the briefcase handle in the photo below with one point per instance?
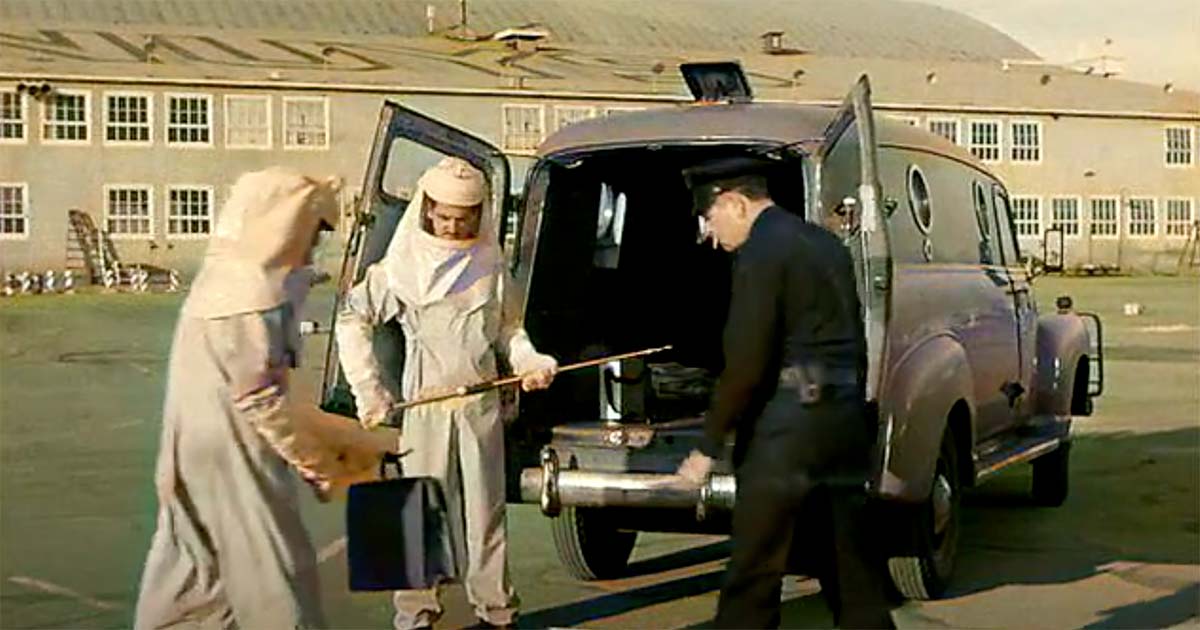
(394, 460)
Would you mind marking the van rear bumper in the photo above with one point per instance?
(553, 488)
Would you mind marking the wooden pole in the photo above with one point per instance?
(509, 380)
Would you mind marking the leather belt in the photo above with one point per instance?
(815, 382)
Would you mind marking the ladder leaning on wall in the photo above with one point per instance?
(1189, 258)
(89, 251)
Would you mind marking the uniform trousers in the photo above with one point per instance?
(791, 451)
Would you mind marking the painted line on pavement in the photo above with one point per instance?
(55, 589)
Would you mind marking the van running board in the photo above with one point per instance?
(1022, 450)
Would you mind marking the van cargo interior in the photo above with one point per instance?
(620, 267)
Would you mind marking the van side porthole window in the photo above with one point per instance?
(918, 199)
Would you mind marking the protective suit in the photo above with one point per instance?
(448, 299)
(230, 549)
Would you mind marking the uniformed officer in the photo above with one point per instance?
(792, 389)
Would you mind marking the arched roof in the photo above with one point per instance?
(885, 29)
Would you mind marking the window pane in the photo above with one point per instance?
(188, 120)
(304, 122)
(985, 140)
(1143, 220)
(12, 116)
(1027, 215)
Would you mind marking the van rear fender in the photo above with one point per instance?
(922, 388)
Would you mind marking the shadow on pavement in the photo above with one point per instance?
(617, 603)
(1134, 501)
(1163, 612)
(680, 559)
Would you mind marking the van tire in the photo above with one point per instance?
(1051, 476)
(922, 568)
(589, 546)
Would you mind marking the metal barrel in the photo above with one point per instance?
(614, 489)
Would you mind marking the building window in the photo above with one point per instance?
(189, 119)
(13, 115)
(1026, 140)
(1178, 144)
(127, 118)
(67, 117)
(189, 211)
(1143, 217)
(1027, 215)
(305, 122)
(129, 211)
(524, 126)
(248, 122)
(1103, 220)
(985, 140)
(570, 114)
(14, 211)
(1179, 216)
(1064, 215)
(946, 128)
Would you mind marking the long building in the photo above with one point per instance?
(142, 113)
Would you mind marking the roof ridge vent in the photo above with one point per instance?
(772, 44)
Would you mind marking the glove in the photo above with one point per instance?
(694, 470)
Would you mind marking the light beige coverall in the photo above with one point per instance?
(230, 549)
(448, 298)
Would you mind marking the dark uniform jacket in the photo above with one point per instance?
(793, 303)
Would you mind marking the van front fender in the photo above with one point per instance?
(923, 387)
(1062, 340)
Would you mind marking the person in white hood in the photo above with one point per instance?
(443, 279)
(230, 549)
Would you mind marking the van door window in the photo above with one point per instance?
(1005, 230)
(983, 214)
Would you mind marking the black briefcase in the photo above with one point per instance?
(398, 533)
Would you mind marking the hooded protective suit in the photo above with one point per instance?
(230, 549)
(448, 298)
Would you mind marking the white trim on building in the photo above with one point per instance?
(9, 220)
(1026, 139)
(523, 127)
(987, 147)
(14, 116)
(251, 128)
(570, 114)
(194, 127)
(1104, 216)
(947, 127)
(129, 222)
(1178, 213)
(1179, 146)
(82, 128)
(190, 214)
(1142, 218)
(1065, 213)
(1027, 215)
(305, 134)
(134, 120)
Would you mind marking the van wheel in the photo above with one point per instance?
(1051, 476)
(931, 540)
(590, 546)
